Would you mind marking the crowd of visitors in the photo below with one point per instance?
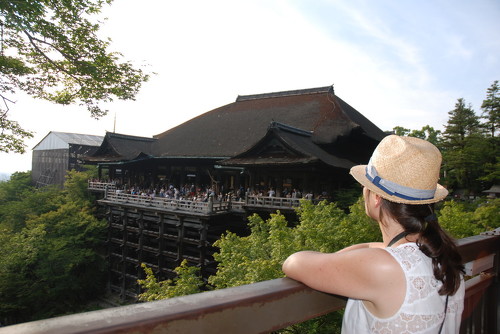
(194, 192)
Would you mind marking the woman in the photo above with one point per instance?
(405, 283)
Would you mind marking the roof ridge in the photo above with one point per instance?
(285, 93)
(289, 128)
(121, 135)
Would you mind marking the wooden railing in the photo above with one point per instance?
(209, 207)
(271, 305)
(273, 202)
(170, 204)
(101, 186)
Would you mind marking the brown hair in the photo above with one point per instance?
(433, 241)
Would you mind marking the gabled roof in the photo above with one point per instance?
(286, 145)
(120, 147)
(236, 127)
(61, 140)
(495, 189)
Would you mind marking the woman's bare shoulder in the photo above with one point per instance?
(356, 273)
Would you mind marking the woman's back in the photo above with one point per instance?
(423, 308)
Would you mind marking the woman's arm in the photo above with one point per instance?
(361, 272)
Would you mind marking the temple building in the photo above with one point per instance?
(168, 198)
(302, 139)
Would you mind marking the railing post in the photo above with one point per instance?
(210, 204)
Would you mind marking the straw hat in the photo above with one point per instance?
(403, 170)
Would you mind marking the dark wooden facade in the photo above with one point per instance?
(161, 239)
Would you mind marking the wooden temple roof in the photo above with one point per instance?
(120, 147)
(234, 128)
(285, 145)
(337, 133)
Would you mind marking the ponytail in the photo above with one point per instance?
(441, 248)
(433, 241)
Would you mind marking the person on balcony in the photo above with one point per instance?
(412, 282)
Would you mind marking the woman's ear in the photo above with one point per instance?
(377, 200)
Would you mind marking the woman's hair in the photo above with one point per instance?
(433, 241)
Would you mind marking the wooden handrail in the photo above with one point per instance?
(263, 307)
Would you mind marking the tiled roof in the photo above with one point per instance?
(298, 144)
(236, 127)
(118, 147)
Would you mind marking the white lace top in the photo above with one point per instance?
(423, 308)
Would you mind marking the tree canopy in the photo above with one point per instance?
(50, 243)
(491, 109)
(51, 50)
(469, 143)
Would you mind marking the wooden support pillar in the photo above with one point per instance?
(161, 244)
(202, 244)
(109, 214)
(180, 239)
(210, 204)
(123, 287)
(140, 253)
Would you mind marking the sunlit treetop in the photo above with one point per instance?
(50, 49)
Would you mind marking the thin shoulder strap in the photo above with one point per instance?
(444, 317)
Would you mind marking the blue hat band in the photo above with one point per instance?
(394, 189)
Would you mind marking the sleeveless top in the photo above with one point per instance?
(422, 311)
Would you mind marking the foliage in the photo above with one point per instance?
(18, 183)
(491, 109)
(49, 240)
(427, 133)
(20, 201)
(487, 214)
(465, 149)
(51, 50)
(254, 258)
(462, 220)
(470, 144)
(76, 186)
(346, 197)
(188, 281)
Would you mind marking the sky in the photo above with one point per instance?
(399, 63)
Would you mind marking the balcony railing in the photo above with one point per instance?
(271, 305)
(210, 206)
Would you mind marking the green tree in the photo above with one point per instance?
(400, 131)
(463, 148)
(491, 115)
(427, 132)
(188, 281)
(462, 220)
(51, 50)
(19, 201)
(50, 242)
(491, 109)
